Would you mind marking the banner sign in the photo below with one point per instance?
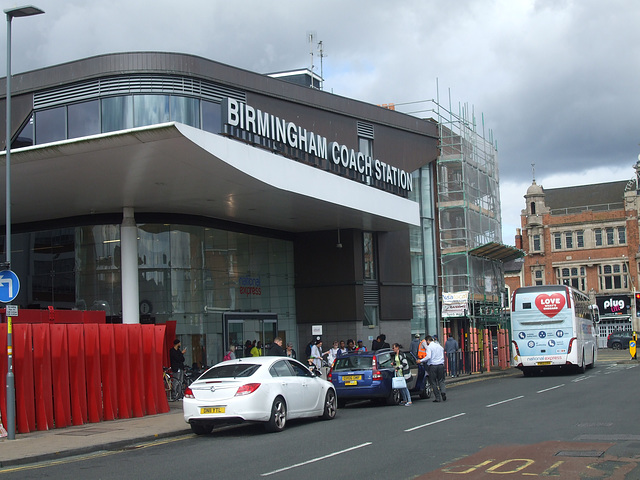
(455, 304)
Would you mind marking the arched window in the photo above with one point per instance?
(533, 208)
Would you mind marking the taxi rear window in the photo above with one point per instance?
(355, 362)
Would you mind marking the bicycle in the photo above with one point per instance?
(168, 384)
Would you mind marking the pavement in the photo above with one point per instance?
(61, 443)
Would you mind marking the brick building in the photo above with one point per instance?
(587, 237)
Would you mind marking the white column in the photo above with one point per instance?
(129, 267)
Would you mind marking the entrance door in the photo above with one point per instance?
(240, 328)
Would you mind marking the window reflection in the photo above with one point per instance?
(25, 137)
(150, 110)
(211, 117)
(117, 113)
(185, 110)
(83, 119)
(50, 125)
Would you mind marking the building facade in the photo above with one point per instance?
(160, 186)
(586, 237)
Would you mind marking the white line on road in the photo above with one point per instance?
(434, 422)
(316, 459)
(552, 388)
(505, 401)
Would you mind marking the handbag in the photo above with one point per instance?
(398, 382)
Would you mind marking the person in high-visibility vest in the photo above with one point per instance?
(422, 349)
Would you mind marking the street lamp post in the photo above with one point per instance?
(25, 11)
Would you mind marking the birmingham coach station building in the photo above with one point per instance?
(161, 186)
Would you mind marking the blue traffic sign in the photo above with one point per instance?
(9, 286)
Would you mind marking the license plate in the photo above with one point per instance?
(353, 382)
(209, 410)
(348, 378)
(543, 363)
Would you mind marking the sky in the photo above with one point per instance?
(555, 81)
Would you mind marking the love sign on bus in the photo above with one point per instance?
(550, 305)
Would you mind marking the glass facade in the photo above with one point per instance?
(111, 114)
(190, 274)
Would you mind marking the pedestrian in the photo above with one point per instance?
(247, 348)
(231, 353)
(422, 349)
(401, 365)
(376, 344)
(256, 351)
(276, 349)
(415, 343)
(383, 341)
(342, 349)
(333, 353)
(435, 368)
(316, 356)
(451, 349)
(351, 345)
(290, 352)
(176, 358)
(361, 347)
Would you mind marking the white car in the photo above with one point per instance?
(257, 389)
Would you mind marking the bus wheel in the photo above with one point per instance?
(582, 368)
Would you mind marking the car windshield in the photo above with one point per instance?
(354, 362)
(231, 371)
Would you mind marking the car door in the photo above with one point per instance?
(288, 383)
(311, 386)
(413, 367)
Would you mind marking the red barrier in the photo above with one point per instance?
(93, 373)
(138, 396)
(43, 383)
(60, 369)
(123, 379)
(24, 385)
(77, 377)
(159, 344)
(108, 372)
(151, 368)
(3, 372)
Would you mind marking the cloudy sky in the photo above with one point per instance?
(557, 81)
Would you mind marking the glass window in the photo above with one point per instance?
(211, 117)
(117, 113)
(580, 238)
(150, 110)
(369, 256)
(598, 235)
(610, 239)
(536, 243)
(25, 137)
(83, 119)
(298, 369)
(50, 125)
(622, 235)
(557, 241)
(365, 146)
(280, 369)
(573, 277)
(568, 239)
(186, 110)
(613, 277)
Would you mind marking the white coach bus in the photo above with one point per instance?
(552, 326)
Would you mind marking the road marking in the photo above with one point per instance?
(434, 422)
(313, 460)
(552, 388)
(505, 401)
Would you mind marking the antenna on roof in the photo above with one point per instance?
(533, 172)
(310, 40)
(322, 55)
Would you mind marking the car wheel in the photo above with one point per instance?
(278, 418)
(330, 406)
(426, 391)
(617, 346)
(201, 428)
(582, 368)
(394, 397)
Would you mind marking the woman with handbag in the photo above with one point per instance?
(403, 373)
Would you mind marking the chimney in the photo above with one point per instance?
(518, 238)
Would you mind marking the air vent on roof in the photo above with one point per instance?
(135, 84)
(365, 130)
(371, 293)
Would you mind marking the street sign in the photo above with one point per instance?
(9, 286)
(632, 347)
(12, 310)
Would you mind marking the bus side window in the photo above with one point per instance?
(526, 305)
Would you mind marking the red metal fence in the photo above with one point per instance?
(76, 373)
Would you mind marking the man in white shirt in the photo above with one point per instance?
(435, 368)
